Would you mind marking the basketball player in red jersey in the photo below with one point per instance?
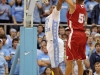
(75, 50)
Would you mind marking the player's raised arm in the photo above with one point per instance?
(71, 5)
(59, 4)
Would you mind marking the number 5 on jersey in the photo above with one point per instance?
(81, 18)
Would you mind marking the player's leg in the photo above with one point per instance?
(81, 51)
(80, 67)
(57, 71)
(50, 49)
(69, 67)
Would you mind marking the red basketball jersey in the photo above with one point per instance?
(76, 20)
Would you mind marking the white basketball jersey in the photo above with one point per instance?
(52, 21)
(55, 45)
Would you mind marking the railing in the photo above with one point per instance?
(9, 24)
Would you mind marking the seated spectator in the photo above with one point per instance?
(3, 66)
(96, 14)
(94, 28)
(4, 12)
(89, 46)
(2, 32)
(97, 38)
(5, 45)
(61, 31)
(48, 71)
(88, 29)
(40, 31)
(4, 52)
(18, 13)
(43, 42)
(86, 72)
(98, 30)
(63, 10)
(97, 68)
(43, 60)
(11, 36)
(67, 31)
(12, 51)
(44, 37)
(95, 57)
(87, 34)
(89, 7)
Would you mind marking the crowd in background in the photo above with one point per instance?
(12, 11)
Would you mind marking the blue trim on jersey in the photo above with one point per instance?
(55, 42)
(46, 25)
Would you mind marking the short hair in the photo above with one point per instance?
(3, 37)
(96, 63)
(61, 27)
(94, 26)
(15, 39)
(97, 44)
(40, 25)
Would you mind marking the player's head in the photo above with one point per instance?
(79, 1)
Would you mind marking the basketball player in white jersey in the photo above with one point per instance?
(55, 45)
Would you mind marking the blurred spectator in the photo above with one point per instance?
(63, 10)
(4, 52)
(39, 42)
(89, 7)
(40, 31)
(87, 34)
(97, 38)
(43, 42)
(36, 13)
(48, 71)
(95, 57)
(61, 31)
(44, 37)
(12, 2)
(88, 29)
(94, 28)
(43, 60)
(4, 12)
(3, 66)
(97, 68)
(46, 8)
(18, 13)
(89, 46)
(11, 36)
(67, 31)
(1, 31)
(98, 31)
(96, 14)
(18, 34)
(5, 45)
(86, 72)
(12, 52)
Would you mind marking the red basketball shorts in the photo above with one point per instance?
(76, 45)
